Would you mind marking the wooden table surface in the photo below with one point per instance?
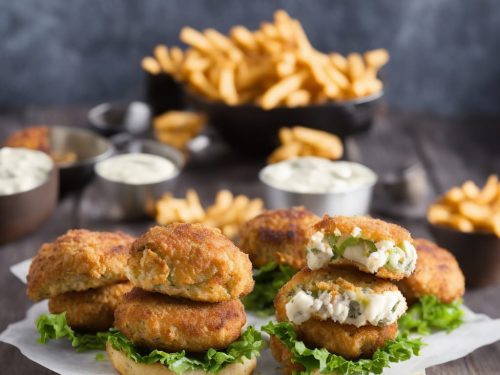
(450, 150)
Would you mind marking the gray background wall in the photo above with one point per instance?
(445, 53)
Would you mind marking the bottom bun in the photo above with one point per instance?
(126, 366)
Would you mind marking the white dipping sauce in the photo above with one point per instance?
(136, 169)
(22, 169)
(317, 175)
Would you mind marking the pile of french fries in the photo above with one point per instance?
(273, 66)
(177, 128)
(469, 208)
(227, 213)
(301, 141)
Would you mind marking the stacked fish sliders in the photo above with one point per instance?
(82, 273)
(184, 314)
(343, 306)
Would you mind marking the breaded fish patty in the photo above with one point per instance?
(339, 294)
(78, 260)
(373, 246)
(437, 274)
(344, 340)
(92, 310)
(278, 236)
(190, 261)
(157, 321)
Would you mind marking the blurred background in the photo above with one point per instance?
(444, 53)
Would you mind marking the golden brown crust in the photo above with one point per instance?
(437, 274)
(372, 229)
(190, 261)
(278, 236)
(157, 321)
(333, 279)
(125, 366)
(343, 339)
(91, 310)
(282, 355)
(78, 260)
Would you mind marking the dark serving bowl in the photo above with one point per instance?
(89, 148)
(252, 130)
(23, 212)
(478, 253)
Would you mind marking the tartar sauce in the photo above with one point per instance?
(22, 169)
(136, 169)
(317, 175)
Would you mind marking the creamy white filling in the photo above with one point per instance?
(359, 309)
(400, 258)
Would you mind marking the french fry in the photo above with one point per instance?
(470, 189)
(355, 66)
(227, 88)
(285, 152)
(244, 38)
(285, 136)
(161, 55)
(195, 39)
(489, 191)
(281, 90)
(298, 98)
(150, 65)
(377, 58)
(469, 208)
(339, 62)
(200, 81)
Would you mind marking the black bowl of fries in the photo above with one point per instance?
(253, 130)
(252, 83)
(466, 220)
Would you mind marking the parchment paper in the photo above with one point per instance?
(478, 330)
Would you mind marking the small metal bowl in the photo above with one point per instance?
(132, 201)
(89, 148)
(478, 253)
(23, 212)
(350, 203)
(112, 118)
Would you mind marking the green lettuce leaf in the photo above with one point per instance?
(399, 349)
(430, 314)
(268, 280)
(247, 346)
(55, 327)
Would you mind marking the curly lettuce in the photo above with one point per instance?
(399, 349)
(430, 314)
(55, 326)
(268, 280)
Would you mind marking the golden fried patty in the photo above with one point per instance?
(391, 243)
(278, 236)
(78, 260)
(437, 274)
(346, 340)
(92, 310)
(191, 261)
(157, 321)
